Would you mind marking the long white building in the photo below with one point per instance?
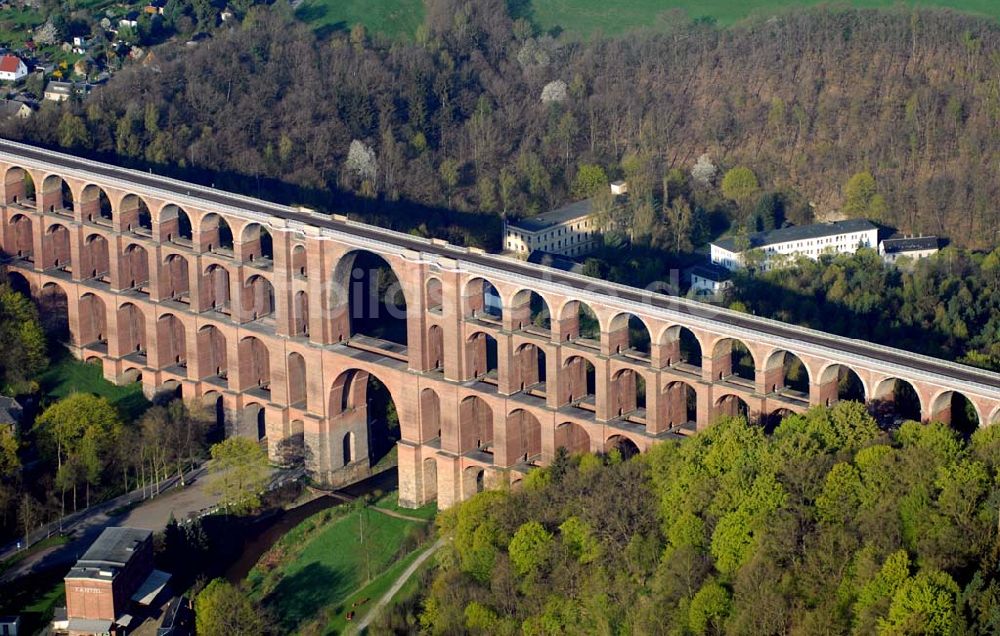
(837, 237)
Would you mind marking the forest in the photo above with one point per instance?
(482, 115)
(828, 525)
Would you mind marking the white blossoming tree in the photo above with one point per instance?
(555, 92)
(362, 164)
(704, 170)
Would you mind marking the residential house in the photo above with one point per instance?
(12, 68)
(912, 247)
(812, 241)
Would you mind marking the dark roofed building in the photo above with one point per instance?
(913, 247)
(114, 574)
(710, 279)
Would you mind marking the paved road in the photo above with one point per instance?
(986, 379)
(396, 586)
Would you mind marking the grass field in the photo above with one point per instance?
(66, 374)
(391, 18)
(400, 18)
(317, 571)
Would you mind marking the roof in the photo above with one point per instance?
(151, 587)
(800, 233)
(555, 217)
(90, 625)
(9, 63)
(910, 244)
(711, 271)
(110, 552)
(10, 410)
(59, 87)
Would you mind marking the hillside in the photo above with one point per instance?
(455, 121)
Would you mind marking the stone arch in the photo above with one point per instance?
(733, 360)
(175, 225)
(134, 215)
(995, 417)
(95, 205)
(134, 267)
(214, 234)
(840, 382)
(299, 261)
(359, 401)
(435, 347)
(579, 382)
(785, 371)
(132, 375)
(529, 368)
(955, 409)
(433, 294)
(430, 415)
(368, 299)
(579, 322)
(19, 187)
(213, 352)
(481, 356)
(300, 314)
(628, 333)
(215, 288)
(171, 341)
(254, 421)
(19, 283)
(573, 438)
(256, 243)
(53, 305)
(680, 404)
(216, 406)
(530, 311)
(473, 481)
(131, 329)
(93, 320)
(297, 393)
(475, 425)
(20, 237)
(96, 257)
(680, 347)
(623, 445)
(730, 405)
(524, 437)
(57, 248)
(480, 299)
(628, 393)
(258, 297)
(775, 418)
(56, 195)
(176, 279)
(894, 400)
(255, 364)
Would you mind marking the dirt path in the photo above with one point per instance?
(403, 578)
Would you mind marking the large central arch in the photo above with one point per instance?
(367, 299)
(363, 425)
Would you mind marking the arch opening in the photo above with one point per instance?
(435, 348)
(957, 411)
(56, 196)
(785, 373)
(430, 415)
(255, 366)
(132, 331)
(433, 295)
(135, 216)
(529, 372)
(19, 188)
(622, 445)
(628, 394)
(97, 258)
(839, 382)
(298, 396)
(362, 404)
(257, 245)
(732, 361)
(56, 248)
(473, 481)
(213, 356)
(579, 323)
(299, 262)
(258, 298)
(481, 301)
(579, 382)
(530, 312)
(475, 427)
(134, 269)
(215, 235)
(732, 406)
(681, 405)
(895, 401)
(524, 437)
(482, 358)
(629, 335)
(573, 438)
(300, 314)
(95, 205)
(21, 238)
(53, 305)
(368, 301)
(215, 288)
(93, 321)
(171, 342)
(176, 280)
(175, 226)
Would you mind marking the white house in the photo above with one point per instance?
(710, 279)
(12, 68)
(837, 237)
(567, 231)
(914, 247)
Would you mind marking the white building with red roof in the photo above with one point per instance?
(12, 68)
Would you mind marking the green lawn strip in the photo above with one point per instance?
(49, 542)
(373, 591)
(33, 598)
(391, 502)
(319, 565)
(397, 19)
(66, 374)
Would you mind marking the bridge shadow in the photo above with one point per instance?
(456, 226)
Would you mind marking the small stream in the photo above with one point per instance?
(268, 530)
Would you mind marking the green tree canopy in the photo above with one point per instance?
(222, 609)
(740, 185)
(240, 472)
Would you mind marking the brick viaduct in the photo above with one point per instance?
(504, 362)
